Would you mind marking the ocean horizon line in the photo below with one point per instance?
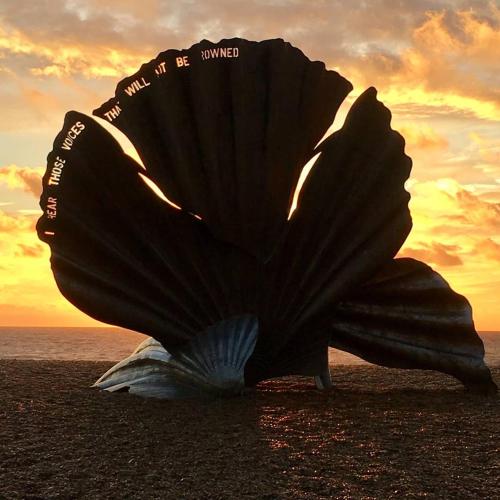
(135, 331)
(112, 343)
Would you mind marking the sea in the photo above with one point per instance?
(114, 344)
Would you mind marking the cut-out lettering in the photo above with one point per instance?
(51, 209)
(113, 113)
(72, 134)
(161, 68)
(136, 86)
(56, 171)
(182, 61)
(220, 52)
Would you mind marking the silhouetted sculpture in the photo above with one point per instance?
(233, 290)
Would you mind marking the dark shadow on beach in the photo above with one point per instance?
(380, 433)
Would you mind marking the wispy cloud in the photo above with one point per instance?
(449, 65)
(30, 250)
(434, 253)
(11, 223)
(51, 59)
(423, 137)
(26, 178)
(489, 248)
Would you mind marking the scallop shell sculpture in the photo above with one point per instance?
(233, 290)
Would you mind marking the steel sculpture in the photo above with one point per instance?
(232, 288)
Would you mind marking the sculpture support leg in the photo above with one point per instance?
(324, 379)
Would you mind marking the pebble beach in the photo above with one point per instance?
(379, 433)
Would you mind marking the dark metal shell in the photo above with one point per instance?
(226, 137)
(124, 256)
(407, 316)
(224, 130)
(352, 217)
(212, 364)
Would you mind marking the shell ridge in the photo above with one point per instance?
(121, 254)
(272, 191)
(308, 304)
(107, 282)
(207, 162)
(209, 287)
(365, 103)
(247, 342)
(208, 363)
(131, 370)
(446, 342)
(359, 329)
(313, 271)
(187, 288)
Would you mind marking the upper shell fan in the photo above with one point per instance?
(225, 129)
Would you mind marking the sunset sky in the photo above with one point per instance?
(436, 65)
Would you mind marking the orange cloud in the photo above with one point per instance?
(487, 150)
(42, 104)
(489, 249)
(451, 66)
(13, 223)
(30, 250)
(434, 253)
(445, 63)
(445, 206)
(63, 60)
(422, 137)
(477, 212)
(26, 178)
